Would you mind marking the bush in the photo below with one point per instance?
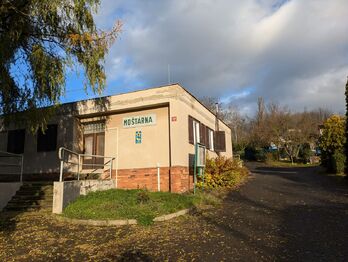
(255, 153)
(338, 160)
(271, 156)
(143, 197)
(305, 153)
(331, 143)
(222, 172)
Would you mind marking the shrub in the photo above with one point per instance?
(271, 156)
(260, 154)
(255, 153)
(332, 142)
(305, 153)
(222, 172)
(143, 197)
(338, 160)
(249, 153)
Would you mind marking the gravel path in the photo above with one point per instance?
(281, 214)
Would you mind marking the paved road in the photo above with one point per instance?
(281, 214)
(292, 214)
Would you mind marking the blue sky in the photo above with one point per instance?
(290, 52)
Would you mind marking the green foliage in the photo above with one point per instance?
(222, 172)
(332, 142)
(271, 156)
(125, 204)
(39, 41)
(346, 144)
(255, 153)
(143, 197)
(338, 162)
(333, 137)
(305, 153)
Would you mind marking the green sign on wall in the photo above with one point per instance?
(138, 137)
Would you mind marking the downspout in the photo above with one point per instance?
(217, 121)
(170, 150)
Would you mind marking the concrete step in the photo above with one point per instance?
(30, 202)
(26, 208)
(31, 189)
(36, 187)
(32, 197)
(34, 192)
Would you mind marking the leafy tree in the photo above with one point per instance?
(39, 41)
(346, 145)
(333, 139)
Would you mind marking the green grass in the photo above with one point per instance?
(286, 163)
(125, 204)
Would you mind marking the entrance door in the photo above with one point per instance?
(93, 145)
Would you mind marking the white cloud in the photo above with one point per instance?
(293, 52)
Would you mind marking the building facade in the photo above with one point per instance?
(143, 130)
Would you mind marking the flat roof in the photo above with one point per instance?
(150, 88)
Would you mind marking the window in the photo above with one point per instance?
(47, 141)
(94, 144)
(210, 139)
(194, 130)
(16, 141)
(196, 133)
(220, 141)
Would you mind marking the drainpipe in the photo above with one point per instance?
(158, 178)
(217, 121)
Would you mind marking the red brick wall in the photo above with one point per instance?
(143, 178)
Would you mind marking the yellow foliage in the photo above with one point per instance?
(222, 172)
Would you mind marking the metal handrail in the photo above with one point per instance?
(8, 154)
(61, 158)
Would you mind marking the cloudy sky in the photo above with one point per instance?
(291, 52)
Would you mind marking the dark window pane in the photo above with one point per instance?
(220, 141)
(16, 141)
(47, 141)
(202, 133)
(190, 129)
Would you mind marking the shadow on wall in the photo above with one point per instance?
(45, 165)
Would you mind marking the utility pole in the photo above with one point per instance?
(169, 80)
(216, 116)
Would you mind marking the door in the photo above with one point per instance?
(93, 145)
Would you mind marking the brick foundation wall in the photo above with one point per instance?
(181, 180)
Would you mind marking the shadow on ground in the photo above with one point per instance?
(287, 213)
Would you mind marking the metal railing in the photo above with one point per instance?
(63, 155)
(4, 162)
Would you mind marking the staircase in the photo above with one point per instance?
(32, 196)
